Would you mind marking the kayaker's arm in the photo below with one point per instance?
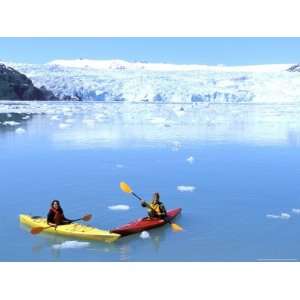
(145, 204)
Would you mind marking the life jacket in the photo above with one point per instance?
(58, 215)
(155, 207)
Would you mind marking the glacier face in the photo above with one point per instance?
(117, 80)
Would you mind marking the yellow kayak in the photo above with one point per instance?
(73, 230)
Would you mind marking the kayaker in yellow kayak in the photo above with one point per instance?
(156, 208)
(56, 216)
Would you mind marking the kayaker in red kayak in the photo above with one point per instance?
(156, 208)
(56, 215)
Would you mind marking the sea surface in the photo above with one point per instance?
(234, 169)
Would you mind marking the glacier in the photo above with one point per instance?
(119, 81)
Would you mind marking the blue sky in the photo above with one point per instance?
(211, 51)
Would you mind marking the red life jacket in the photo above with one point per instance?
(58, 215)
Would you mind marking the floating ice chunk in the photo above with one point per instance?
(11, 123)
(176, 146)
(71, 245)
(120, 166)
(26, 117)
(282, 216)
(144, 235)
(20, 130)
(68, 114)
(296, 211)
(63, 125)
(158, 120)
(285, 216)
(180, 113)
(89, 122)
(119, 207)
(184, 188)
(8, 115)
(190, 160)
(69, 121)
(54, 118)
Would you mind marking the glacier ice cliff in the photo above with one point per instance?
(117, 80)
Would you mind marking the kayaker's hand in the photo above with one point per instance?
(144, 204)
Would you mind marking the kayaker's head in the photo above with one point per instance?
(55, 204)
(155, 198)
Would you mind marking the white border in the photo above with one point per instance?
(149, 18)
(149, 280)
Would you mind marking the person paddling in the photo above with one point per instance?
(156, 208)
(56, 216)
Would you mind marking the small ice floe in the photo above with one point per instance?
(185, 188)
(8, 115)
(26, 117)
(68, 114)
(120, 166)
(11, 123)
(180, 113)
(282, 216)
(69, 121)
(20, 130)
(54, 118)
(176, 146)
(158, 120)
(70, 245)
(119, 207)
(63, 125)
(144, 235)
(296, 211)
(88, 122)
(190, 160)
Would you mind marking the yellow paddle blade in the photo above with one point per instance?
(125, 187)
(176, 227)
(37, 230)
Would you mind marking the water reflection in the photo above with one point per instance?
(14, 122)
(94, 125)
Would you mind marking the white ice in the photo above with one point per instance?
(119, 207)
(118, 80)
(190, 159)
(296, 211)
(144, 235)
(11, 123)
(64, 125)
(70, 245)
(282, 216)
(20, 130)
(185, 188)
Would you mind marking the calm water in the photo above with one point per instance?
(244, 174)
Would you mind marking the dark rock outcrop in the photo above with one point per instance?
(16, 86)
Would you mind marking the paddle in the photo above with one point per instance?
(37, 230)
(127, 189)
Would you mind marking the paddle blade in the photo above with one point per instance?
(125, 187)
(87, 217)
(176, 227)
(36, 230)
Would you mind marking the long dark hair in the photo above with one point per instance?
(58, 203)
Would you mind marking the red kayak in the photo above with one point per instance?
(145, 223)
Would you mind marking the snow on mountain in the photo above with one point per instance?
(118, 80)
